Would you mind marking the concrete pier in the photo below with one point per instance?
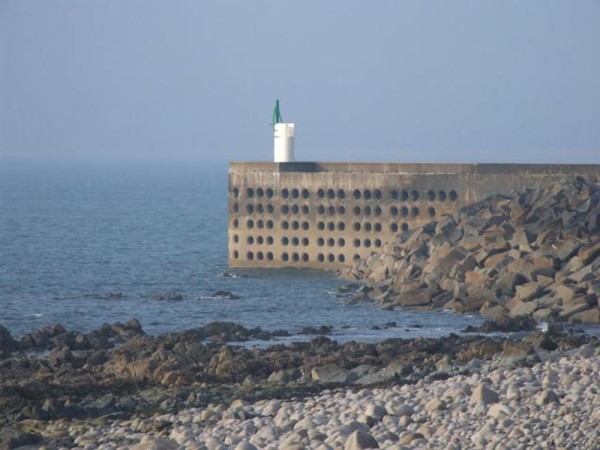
(324, 215)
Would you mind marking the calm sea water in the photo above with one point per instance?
(73, 234)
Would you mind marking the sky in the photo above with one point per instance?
(382, 80)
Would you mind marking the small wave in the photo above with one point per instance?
(34, 315)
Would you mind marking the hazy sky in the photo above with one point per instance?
(473, 81)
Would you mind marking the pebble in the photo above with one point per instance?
(498, 408)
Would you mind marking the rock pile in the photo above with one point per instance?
(531, 253)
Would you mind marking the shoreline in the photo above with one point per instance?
(126, 375)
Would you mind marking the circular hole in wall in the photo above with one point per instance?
(269, 193)
(404, 195)
(269, 240)
(330, 226)
(367, 226)
(356, 210)
(295, 209)
(260, 224)
(305, 209)
(269, 224)
(377, 242)
(431, 211)
(393, 227)
(236, 207)
(250, 256)
(330, 242)
(341, 242)
(404, 211)
(321, 226)
(305, 257)
(250, 223)
(394, 194)
(295, 241)
(393, 211)
(321, 209)
(236, 192)
(356, 242)
(295, 257)
(249, 209)
(305, 241)
(270, 256)
(285, 256)
(404, 227)
(236, 238)
(452, 195)
(285, 225)
(260, 209)
(356, 194)
(295, 193)
(320, 193)
(260, 192)
(320, 242)
(431, 195)
(414, 194)
(259, 240)
(341, 193)
(250, 192)
(250, 240)
(285, 209)
(321, 257)
(341, 258)
(377, 227)
(367, 211)
(377, 211)
(330, 210)
(377, 194)
(442, 195)
(330, 193)
(270, 208)
(285, 194)
(367, 194)
(285, 240)
(305, 193)
(414, 211)
(341, 210)
(260, 256)
(236, 254)
(296, 225)
(367, 243)
(356, 226)
(305, 225)
(341, 226)
(331, 258)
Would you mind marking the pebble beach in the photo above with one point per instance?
(551, 405)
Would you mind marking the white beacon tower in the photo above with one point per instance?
(283, 138)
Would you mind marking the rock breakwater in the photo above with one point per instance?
(532, 253)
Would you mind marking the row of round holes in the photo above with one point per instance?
(331, 226)
(295, 256)
(394, 210)
(367, 194)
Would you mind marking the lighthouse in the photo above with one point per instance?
(283, 137)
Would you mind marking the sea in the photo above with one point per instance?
(84, 243)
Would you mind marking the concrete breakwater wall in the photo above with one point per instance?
(324, 215)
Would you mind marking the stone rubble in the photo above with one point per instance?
(531, 253)
(550, 405)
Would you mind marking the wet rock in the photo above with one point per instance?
(7, 343)
(42, 338)
(225, 295)
(322, 330)
(11, 437)
(167, 296)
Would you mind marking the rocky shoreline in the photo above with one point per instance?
(58, 386)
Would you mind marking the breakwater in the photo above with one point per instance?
(327, 215)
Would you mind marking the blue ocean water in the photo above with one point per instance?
(73, 235)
